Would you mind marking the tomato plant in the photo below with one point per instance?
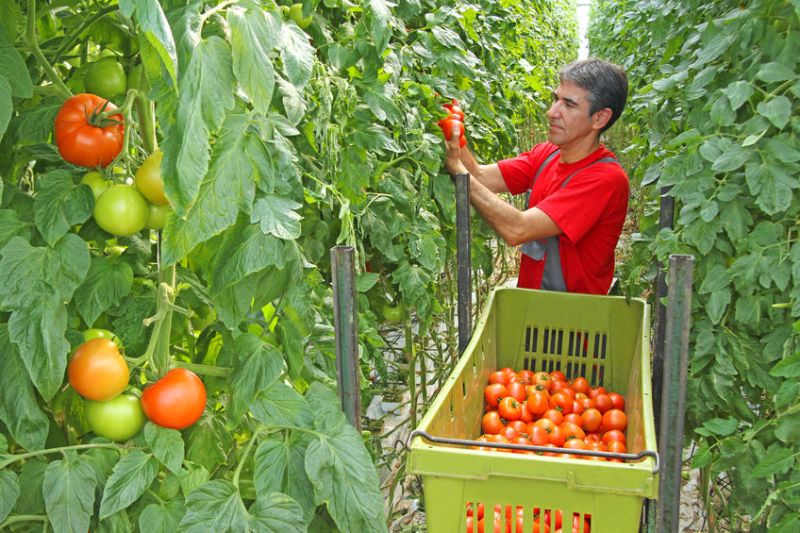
(118, 419)
(121, 210)
(83, 136)
(97, 371)
(175, 401)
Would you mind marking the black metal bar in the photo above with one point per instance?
(673, 406)
(535, 448)
(666, 217)
(463, 261)
(344, 318)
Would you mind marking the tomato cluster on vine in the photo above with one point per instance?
(544, 409)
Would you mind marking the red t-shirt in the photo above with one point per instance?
(590, 211)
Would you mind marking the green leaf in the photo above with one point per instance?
(60, 204)
(214, 506)
(774, 72)
(717, 305)
(163, 518)
(281, 405)
(715, 279)
(19, 409)
(777, 461)
(702, 457)
(9, 492)
(107, 284)
(277, 216)
(131, 476)
(34, 284)
(341, 469)
(280, 466)
(209, 443)
(12, 226)
(722, 112)
(6, 105)
(731, 159)
(128, 325)
(787, 393)
(777, 110)
(380, 16)
(31, 480)
(275, 513)
(254, 33)
(366, 280)
(738, 93)
(788, 429)
(783, 148)
(68, 490)
(258, 365)
(167, 445)
(192, 476)
(721, 427)
(788, 367)
(154, 26)
(224, 188)
(205, 97)
(297, 55)
(14, 70)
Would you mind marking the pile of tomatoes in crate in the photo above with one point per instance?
(542, 520)
(544, 409)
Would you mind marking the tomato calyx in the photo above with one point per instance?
(104, 115)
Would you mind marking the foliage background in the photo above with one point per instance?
(714, 120)
(279, 142)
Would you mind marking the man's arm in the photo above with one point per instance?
(514, 226)
(488, 175)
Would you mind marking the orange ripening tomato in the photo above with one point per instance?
(84, 138)
(97, 371)
(175, 401)
(614, 419)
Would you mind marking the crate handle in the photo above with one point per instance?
(534, 448)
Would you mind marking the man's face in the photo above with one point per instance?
(569, 116)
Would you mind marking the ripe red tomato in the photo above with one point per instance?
(538, 403)
(509, 408)
(614, 419)
(97, 371)
(491, 423)
(517, 390)
(492, 394)
(499, 377)
(613, 435)
(592, 419)
(558, 375)
(617, 400)
(175, 401)
(561, 401)
(572, 431)
(603, 402)
(580, 384)
(82, 138)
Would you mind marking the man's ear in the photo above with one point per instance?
(601, 118)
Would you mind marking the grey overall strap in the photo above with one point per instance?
(548, 249)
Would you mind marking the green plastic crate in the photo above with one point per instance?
(604, 338)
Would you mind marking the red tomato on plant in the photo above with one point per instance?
(97, 371)
(175, 401)
(84, 138)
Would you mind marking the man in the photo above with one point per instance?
(578, 192)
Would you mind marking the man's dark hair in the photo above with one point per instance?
(605, 82)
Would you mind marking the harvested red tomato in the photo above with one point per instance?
(175, 401)
(86, 138)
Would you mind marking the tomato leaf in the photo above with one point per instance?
(277, 216)
(19, 409)
(106, 285)
(60, 204)
(154, 25)
(280, 466)
(9, 492)
(258, 365)
(12, 226)
(205, 97)
(774, 72)
(214, 506)
(209, 442)
(777, 461)
(6, 105)
(131, 476)
(167, 445)
(15, 73)
(162, 518)
(340, 468)
(719, 426)
(788, 367)
(777, 110)
(297, 55)
(254, 33)
(31, 480)
(380, 16)
(34, 283)
(275, 513)
(68, 490)
(223, 189)
(281, 405)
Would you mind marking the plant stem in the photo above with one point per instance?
(33, 42)
(23, 518)
(28, 455)
(244, 456)
(206, 370)
(69, 43)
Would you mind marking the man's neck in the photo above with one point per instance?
(574, 152)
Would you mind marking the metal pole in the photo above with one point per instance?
(344, 319)
(673, 405)
(463, 261)
(666, 217)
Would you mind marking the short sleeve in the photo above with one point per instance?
(518, 171)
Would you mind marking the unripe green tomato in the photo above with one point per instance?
(94, 333)
(97, 182)
(148, 179)
(157, 218)
(296, 14)
(106, 78)
(393, 313)
(118, 419)
(121, 210)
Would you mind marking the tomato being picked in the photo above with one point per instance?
(84, 137)
(175, 401)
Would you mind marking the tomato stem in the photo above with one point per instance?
(33, 42)
(23, 518)
(245, 454)
(14, 458)
(206, 370)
